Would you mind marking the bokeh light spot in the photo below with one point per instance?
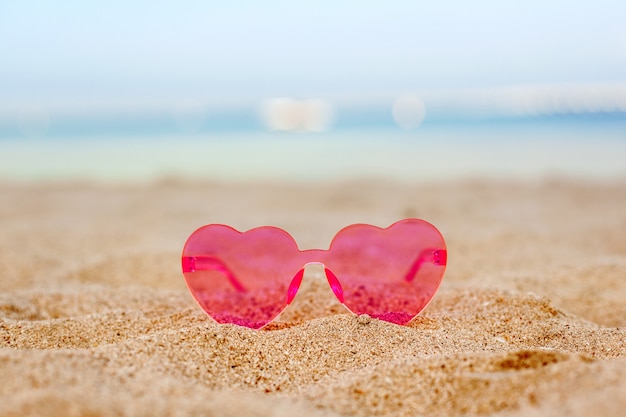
(408, 111)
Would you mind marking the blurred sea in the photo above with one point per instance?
(236, 146)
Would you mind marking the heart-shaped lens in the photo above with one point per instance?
(391, 273)
(240, 278)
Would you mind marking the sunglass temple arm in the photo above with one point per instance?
(211, 263)
(436, 256)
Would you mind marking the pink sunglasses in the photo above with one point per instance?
(249, 278)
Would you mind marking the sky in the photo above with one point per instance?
(146, 51)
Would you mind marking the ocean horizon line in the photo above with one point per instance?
(247, 122)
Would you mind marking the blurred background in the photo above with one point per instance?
(306, 91)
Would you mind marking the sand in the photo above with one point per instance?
(95, 318)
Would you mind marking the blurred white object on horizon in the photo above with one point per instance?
(408, 111)
(288, 114)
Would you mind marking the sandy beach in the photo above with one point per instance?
(96, 320)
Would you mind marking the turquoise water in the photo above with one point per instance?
(130, 150)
